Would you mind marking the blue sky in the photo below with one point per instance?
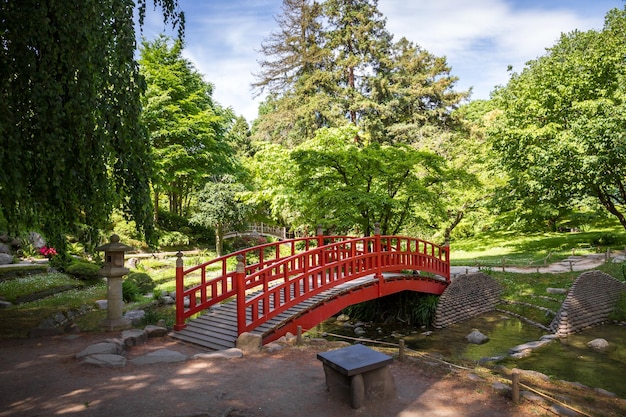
(479, 38)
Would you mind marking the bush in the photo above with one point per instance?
(143, 281)
(605, 239)
(83, 270)
(173, 239)
(130, 291)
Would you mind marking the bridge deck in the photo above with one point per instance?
(216, 329)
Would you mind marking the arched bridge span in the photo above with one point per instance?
(300, 282)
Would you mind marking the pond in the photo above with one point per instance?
(566, 359)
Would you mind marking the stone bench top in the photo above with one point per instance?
(354, 360)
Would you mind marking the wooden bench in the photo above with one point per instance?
(359, 372)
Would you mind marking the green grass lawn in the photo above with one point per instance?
(517, 249)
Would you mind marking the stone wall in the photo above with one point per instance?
(467, 296)
(589, 302)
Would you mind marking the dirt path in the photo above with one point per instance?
(40, 377)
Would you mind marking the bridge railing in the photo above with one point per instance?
(295, 279)
(196, 290)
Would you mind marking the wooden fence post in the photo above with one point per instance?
(515, 386)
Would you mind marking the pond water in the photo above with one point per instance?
(566, 359)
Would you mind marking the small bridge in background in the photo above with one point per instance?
(273, 288)
(262, 229)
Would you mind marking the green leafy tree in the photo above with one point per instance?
(73, 148)
(188, 130)
(560, 134)
(221, 207)
(350, 186)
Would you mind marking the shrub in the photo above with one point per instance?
(143, 281)
(173, 239)
(130, 291)
(83, 270)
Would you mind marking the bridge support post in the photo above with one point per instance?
(379, 258)
(180, 289)
(240, 275)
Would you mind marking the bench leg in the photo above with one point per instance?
(357, 390)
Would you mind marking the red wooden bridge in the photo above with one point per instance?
(273, 288)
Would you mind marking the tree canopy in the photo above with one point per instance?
(560, 132)
(187, 129)
(73, 147)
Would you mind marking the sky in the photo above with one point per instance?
(479, 38)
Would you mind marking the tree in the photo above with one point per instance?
(414, 97)
(221, 207)
(349, 186)
(560, 135)
(73, 148)
(187, 128)
(360, 45)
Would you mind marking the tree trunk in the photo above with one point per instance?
(219, 240)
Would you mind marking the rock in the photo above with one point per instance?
(5, 304)
(359, 331)
(499, 386)
(167, 300)
(521, 354)
(428, 333)
(343, 317)
(477, 337)
(559, 410)
(249, 343)
(155, 331)
(556, 290)
(132, 263)
(220, 354)
(161, 323)
(159, 356)
(111, 348)
(529, 346)
(273, 347)
(4, 248)
(605, 393)
(36, 240)
(134, 337)
(135, 316)
(531, 374)
(5, 259)
(37, 332)
(474, 377)
(598, 344)
(102, 304)
(106, 360)
(530, 396)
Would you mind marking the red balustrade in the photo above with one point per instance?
(285, 277)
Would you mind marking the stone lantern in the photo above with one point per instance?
(113, 269)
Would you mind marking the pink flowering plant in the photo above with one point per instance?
(47, 251)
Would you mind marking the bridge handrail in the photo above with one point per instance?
(211, 291)
(309, 273)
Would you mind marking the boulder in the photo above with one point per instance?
(343, 317)
(135, 316)
(598, 344)
(134, 337)
(155, 331)
(159, 356)
(105, 360)
(220, 354)
(111, 348)
(477, 337)
(249, 343)
(5, 259)
(102, 304)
